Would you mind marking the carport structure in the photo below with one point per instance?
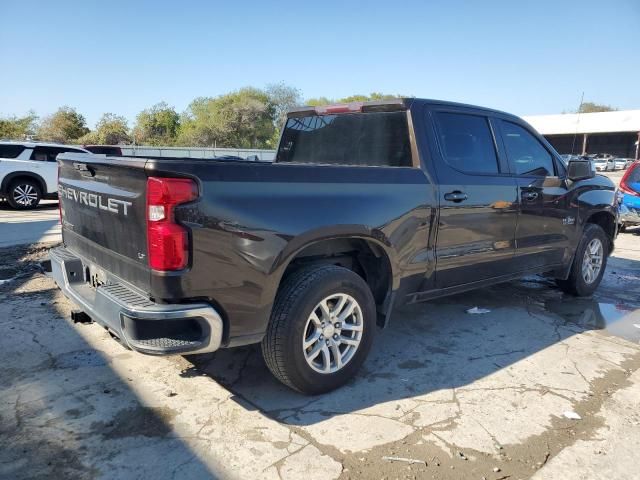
(617, 133)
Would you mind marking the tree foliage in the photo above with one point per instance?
(242, 119)
(245, 118)
(283, 98)
(17, 128)
(65, 125)
(353, 98)
(591, 107)
(111, 129)
(158, 125)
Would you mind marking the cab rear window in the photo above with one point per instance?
(378, 139)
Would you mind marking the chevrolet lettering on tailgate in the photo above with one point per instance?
(94, 200)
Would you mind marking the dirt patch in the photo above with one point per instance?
(512, 461)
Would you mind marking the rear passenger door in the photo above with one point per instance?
(544, 218)
(44, 163)
(477, 199)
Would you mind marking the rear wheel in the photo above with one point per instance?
(321, 329)
(24, 194)
(589, 262)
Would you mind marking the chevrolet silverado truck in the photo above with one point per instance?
(367, 206)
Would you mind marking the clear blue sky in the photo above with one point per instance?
(122, 56)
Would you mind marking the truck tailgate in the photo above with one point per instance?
(103, 208)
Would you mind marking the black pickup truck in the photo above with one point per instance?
(366, 206)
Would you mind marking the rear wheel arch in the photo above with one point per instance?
(363, 255)
(13, 176)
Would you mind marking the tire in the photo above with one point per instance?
(24, 194)
(296, 318)
(580, 283)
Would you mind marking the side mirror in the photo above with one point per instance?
(580, 169)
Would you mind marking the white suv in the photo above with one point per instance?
(29, 172)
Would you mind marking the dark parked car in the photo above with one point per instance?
(110, 150)
(367, 206)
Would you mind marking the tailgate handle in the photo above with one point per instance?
(84, 169)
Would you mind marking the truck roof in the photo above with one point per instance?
(400, 103)
(32, 144)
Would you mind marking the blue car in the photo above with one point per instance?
(630, 190)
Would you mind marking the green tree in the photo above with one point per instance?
(65, 125)
(282, 98)
(590, 107)
(158, 125)
(111, 129)
(242, 119)
(353, 98)
(314, 102)
(17, 128)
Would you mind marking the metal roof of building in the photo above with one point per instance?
(601, 122)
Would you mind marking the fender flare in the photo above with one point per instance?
(306, 239)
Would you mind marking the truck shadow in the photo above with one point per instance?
(64, 411)
(437, 346)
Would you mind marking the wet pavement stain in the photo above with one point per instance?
(618, 319)
(80, 358)
(137, 422)
(411, 364)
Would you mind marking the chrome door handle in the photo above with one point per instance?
(456, 196)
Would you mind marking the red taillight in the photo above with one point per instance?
(168, 242)
(624, 186)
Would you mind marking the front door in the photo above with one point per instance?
(477, 198)
(545, 217)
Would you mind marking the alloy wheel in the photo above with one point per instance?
(25, 195)
(592, 261)
(333, 333)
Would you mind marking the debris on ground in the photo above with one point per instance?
(496, 469)
(571, 415)
(478, 310)
(410, 461)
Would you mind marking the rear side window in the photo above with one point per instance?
(634, 175)
(525, 152)
(466, 142)
(10, 151)
(49, 154)
(375, 139)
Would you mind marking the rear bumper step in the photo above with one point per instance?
(141, 324)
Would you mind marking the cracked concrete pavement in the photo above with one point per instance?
(471, 396)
